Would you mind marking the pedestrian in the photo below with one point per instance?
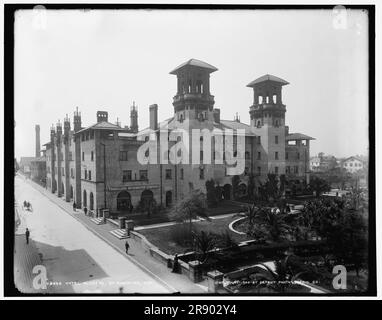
(85, 211)
(25, 204)
(175, 266)
(27, 233)
(74, 206)
(127, 246)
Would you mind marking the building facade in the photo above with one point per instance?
(98, 166)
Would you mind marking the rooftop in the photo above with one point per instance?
(195, 63)
(298, 136)
(102, 126)
(267, 77)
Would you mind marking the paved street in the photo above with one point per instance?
(77, 261)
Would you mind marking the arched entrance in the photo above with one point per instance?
(147, 198)
(168, 198)
(71, 192)
(91, 201)
(123, 201)
(227, 188)
(85, 200)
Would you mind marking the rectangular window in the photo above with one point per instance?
(276, 139)
(86, 174)
(126, 175)
(277, 170)
(63, 171)
(298, 155)
(287, 169)
(296, 169)
(201, 174)
(201, 156)
(168, 174)
(70, 156)
(258, 140)
(276, 155)
(83, 156)
(181, 174)
(143, 175)
(122, 155)
(92, 156)
(259, 170)
(90, 175)
(71, 172)
(258, 155)
(286, 155)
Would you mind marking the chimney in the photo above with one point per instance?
(154, 117)
(102, 116)
(77, 120)
(37, 140)
(217, 115)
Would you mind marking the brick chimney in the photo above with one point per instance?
(37, 128)
(154, 117)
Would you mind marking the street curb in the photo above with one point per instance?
(138, 264)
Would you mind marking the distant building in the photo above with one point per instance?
(25, 165)
(38, 170)
(353, 164)
(322, 163)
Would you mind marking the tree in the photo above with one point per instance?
(267, 224)
(191, 207)
(235, 186)
(203, 243)
(251, 186)
(211, 193)
(319, 185)
(273, 188)
(348, 240)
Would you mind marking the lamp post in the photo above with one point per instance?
(104, 174)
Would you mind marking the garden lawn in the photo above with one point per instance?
(163, 238)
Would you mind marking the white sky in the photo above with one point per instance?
(103, 60)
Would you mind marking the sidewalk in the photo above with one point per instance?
(160, 272)
(26, 257)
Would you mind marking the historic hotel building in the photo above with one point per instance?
(97, 166)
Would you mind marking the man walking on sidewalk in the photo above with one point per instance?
(127, 247)
(27, 233)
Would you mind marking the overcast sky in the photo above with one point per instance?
(105, 60)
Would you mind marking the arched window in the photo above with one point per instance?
(258, 123)
(91, 200)
(168, 198)
(260, 98)
(274, 98)
(123, 201)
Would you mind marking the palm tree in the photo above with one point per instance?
(286, 272)
(275, 224)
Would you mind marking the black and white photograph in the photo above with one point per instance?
(193, 151)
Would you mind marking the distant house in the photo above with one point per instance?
(353, 164)
(322, 163)
(25, 164)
